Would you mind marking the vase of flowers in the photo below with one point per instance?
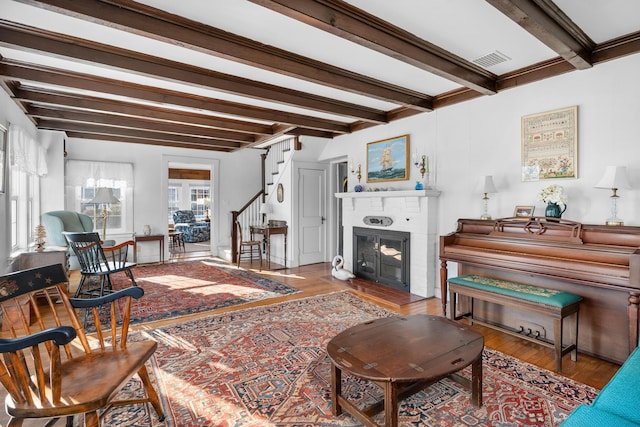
(555, 199)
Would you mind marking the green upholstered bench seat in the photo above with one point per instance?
(546, 302)
(518, 290)
(618, 402)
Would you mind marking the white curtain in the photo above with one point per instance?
(81, 175)
(27, 154)
(87, 173)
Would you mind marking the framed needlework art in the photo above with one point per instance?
(550, 145)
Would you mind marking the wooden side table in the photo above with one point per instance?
(266, 232)
(31, 259)
(50, 255)
(148, 238)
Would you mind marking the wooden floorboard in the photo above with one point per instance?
(316, 279)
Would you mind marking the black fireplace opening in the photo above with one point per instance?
(382, 256)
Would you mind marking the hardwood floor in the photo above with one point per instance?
(316, 279)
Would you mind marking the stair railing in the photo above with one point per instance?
(249, 214)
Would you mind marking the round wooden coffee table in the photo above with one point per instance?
(403, 355)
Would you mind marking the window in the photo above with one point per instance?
(173, 195)
(28, 163)
(200, 201)
(82, 181)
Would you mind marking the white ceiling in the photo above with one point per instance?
(468, 29)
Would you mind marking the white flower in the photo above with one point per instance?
(553, 194)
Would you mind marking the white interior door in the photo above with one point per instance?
(312, 215)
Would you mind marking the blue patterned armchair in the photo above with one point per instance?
(193, 231)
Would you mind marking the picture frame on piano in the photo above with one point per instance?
(523, 211)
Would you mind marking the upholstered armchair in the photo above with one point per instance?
(56, 222)
(193, 231)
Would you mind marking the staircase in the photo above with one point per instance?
(274, 161)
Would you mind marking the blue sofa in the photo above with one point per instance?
(192, 230)
(617, 403)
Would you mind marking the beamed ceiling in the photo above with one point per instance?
(229, 74)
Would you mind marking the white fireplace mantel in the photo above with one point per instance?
(412, 211)
(377, 199)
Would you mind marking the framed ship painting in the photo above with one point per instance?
(388, 160)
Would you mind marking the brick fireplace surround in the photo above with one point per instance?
(412, 211)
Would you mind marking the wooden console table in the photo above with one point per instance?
(149, 238)
(267, 231)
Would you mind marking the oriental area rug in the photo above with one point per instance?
(267, 366)
(182, 288)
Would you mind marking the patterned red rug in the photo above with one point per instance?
(267, 366)
(178, 289)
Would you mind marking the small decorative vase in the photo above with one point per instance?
(40, 239)
(419, 186)
(553, 210)
(147, 230)
(358, 188)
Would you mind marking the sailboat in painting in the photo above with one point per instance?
(386, 161)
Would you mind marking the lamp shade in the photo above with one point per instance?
(265, 208)
(487, 185)
(614, 177)
(104, 195)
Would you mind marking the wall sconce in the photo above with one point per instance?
(422, 163)
(357, 172)
(615, 177)
(487, 187)
(104, 196)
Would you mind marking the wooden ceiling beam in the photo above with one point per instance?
(136, 18)
(64, 126)
(343, 20)
(544, 20)
(52, 76)
(82, 102)
(54, 44)
(616, 48)
(133, 140)
(136, 123)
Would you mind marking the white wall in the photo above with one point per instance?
(235, 177)
(465, 141)
(482, 137)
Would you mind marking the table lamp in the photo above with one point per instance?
(104, 196)
(487, 187)
(615, 177)
(265, 209)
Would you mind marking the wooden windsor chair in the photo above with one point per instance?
(98, 261)
(247, 246)
(50, 366)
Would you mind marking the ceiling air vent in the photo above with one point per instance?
(491, 59)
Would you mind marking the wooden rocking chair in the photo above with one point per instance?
(50, 366)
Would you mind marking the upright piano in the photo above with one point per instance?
(601, 263)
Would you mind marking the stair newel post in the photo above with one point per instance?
(234, 236)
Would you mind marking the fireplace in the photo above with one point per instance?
(382, 256)
(412, 212)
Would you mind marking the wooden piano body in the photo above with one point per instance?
(600, 263)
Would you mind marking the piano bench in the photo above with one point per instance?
(551, 303)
